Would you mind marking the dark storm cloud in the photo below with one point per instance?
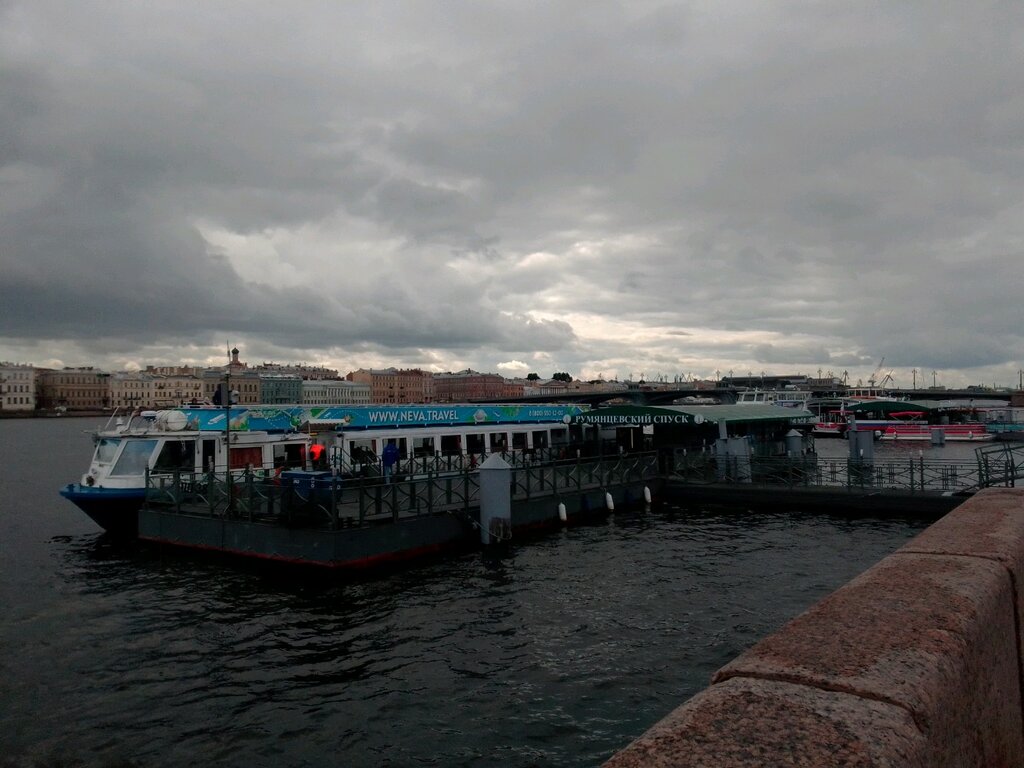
(608, 186)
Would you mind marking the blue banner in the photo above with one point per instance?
(285, 418)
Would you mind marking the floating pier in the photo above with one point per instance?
(316, 518)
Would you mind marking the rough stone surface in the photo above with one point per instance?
(744, 722)
(988, 525)
(932, 634)
(915, 662)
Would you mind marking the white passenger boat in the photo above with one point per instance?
(790, 398)
(187, 440)
(347, 441)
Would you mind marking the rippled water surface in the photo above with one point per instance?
(555, 652)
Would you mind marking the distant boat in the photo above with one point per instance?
(834, 423)
(789, 398)
(912, 425)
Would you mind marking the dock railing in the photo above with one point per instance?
(321, 499)
(912, 474)
(582, 474)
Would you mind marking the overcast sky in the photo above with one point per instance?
(609, 189)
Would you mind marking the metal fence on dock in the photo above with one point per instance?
(326, 500)
(992, 466)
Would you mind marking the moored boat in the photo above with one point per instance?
(834, 423)
(349, 441)
(790, 398)
(182, 440)
(912, 426)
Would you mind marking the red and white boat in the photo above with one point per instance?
(911, 425)
(832, 424)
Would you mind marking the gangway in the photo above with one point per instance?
(1000, 464)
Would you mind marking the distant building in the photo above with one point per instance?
(243, 381)
(304, 372)
(392, 386)
(194, 371)
(17, 387)
(143, 389)
(279, 388)
(468, 385)
(335, 392)
(547, 387)
(73, 389)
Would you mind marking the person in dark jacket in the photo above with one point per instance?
(389, 458)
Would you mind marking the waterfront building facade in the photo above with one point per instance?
(143, 389)
(280, 388)
(73, 389)
(468, 385)
(336, 392)
(17, 387)
(301, 371)
(392, 386)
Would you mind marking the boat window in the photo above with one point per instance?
(475, 444)
(519, 441)
(247, 456)
(105, 450)
(176, 454)
(540, 439)
(451, 445)
(362, 451)
(294, 455)
(423, 446)
(559, 436)
(134, 457)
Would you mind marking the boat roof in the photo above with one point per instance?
(693, 414)
(292, 418)
(438, 415)
(890, 407)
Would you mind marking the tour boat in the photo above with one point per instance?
(186, 440)
(347, 440)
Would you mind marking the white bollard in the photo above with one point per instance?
(647, 494)
(609, 502)
(562, 514)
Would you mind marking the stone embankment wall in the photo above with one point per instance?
(916, 662)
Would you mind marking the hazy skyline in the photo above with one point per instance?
(608, 189)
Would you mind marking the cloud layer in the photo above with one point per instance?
(600, 188)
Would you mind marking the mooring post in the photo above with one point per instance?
(495, 498)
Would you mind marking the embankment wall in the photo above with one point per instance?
(916, 662)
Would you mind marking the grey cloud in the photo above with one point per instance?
(850, 177)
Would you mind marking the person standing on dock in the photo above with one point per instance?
(389, 459)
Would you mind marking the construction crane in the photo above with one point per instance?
(874, 376)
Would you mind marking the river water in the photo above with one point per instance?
(557, 651)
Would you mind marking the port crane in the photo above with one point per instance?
(873, 380)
